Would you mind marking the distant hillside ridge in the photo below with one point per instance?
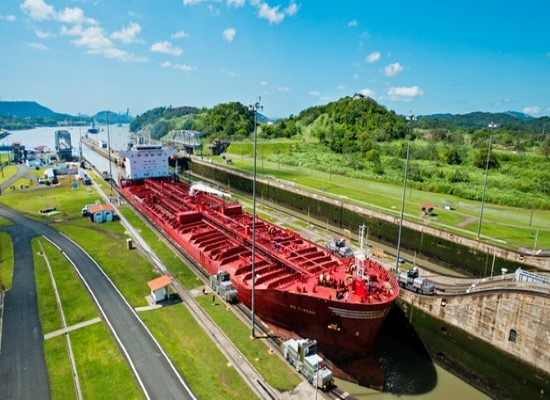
(27, 109)
(512, 120)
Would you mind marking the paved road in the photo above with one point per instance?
(155, 373)
(22, 365)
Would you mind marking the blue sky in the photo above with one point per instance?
(427, 57)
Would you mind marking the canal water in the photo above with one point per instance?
(409, 374)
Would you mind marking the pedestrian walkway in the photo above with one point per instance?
(71, 328)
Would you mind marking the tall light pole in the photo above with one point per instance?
(410, 120)
(254, 108)
(491, 126)
(109, 150)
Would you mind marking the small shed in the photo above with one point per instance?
(427, 208)
(101, 213)
(159, 288)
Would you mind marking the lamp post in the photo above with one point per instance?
(491, 126)
(254, 108)
(109, 150)
(410, 120)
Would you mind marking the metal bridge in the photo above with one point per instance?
(190, 140)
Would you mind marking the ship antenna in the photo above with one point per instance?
(410, 120)
(254, 108)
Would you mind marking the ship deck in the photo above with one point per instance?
(219, 235)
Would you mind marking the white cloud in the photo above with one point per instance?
(184, 67)
(8, 17)
(393, 69)
(38, 9)
(235, 3)
(263, 83)
(272, 14)
(71, 16)
(95, 41)
(41, 34)
(532, 110)
(283, 89)
(128, 34)
(373, 57)
(341, 87)
(229, 73)
(404, 93)
(166, 64)
(229, 34)
(180, 35)
(166, 47)
(38, 46)
(367, 92)
(192, 2)
(292, 9)
(353, 23)
(314, 93)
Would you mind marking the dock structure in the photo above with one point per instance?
(63, 145)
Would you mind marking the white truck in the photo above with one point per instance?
(302, 355)
(221, 284)
(410, 280)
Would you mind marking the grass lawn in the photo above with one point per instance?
(103, 372)
(205, 368)
(106, 243)
(75, 300)
(178, 268)
(275, 370)
(67, 201)
(60, 373)
(6, 261)
(508, 226)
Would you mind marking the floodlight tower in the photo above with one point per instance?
(254, 108)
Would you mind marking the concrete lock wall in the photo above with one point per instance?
(462, 254)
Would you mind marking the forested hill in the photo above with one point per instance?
(511, 121)
(24, 109)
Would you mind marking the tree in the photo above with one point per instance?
(480, 159)
(452, 156)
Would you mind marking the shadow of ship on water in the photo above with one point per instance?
(399, 364)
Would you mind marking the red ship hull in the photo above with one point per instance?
(299, 287)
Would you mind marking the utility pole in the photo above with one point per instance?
(254, 107)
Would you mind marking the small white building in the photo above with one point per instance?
(101, 213)
(159, 288)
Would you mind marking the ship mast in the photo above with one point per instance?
(254, 108)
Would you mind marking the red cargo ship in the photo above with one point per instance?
(300, 286)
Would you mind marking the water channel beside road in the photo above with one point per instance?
(408, 374)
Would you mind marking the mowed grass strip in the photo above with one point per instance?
(275, 370)
(6, 261)
(204, 367)
(76, 302)
(103, 372)
(178, 268)
(50, 319)
(60, 373)
(64, 198)
(104, 375)
(106, 243)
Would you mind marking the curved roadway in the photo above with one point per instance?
(22, 367)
